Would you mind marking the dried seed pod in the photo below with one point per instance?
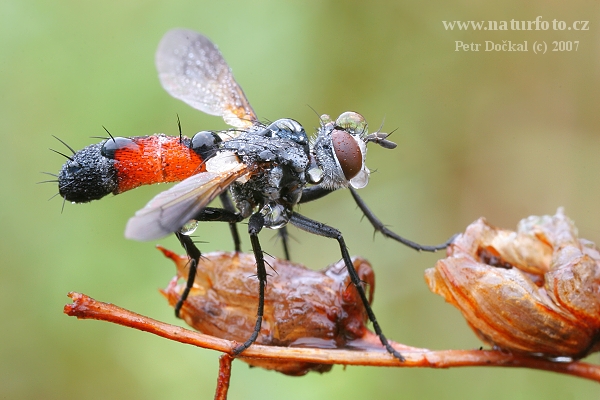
(303, 308)
(534, 291)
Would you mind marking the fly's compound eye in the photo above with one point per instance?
(204, 143)
(347, 152)
(353, 123)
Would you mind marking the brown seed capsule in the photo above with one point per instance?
(533, 291)
(303, 308)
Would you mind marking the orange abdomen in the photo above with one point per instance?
(154, 159)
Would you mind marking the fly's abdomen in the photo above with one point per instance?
(121, 164)
(153, 159)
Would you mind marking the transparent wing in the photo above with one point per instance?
(170, 210)
(192, 69)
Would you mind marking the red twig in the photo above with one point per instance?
(84, 307)
(224, 377)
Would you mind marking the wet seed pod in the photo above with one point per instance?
(303, 308)
(534, 291)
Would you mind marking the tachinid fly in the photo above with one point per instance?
(260, 172)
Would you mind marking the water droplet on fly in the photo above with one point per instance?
(113, 145)
(189, 227)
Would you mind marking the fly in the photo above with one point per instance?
(260, 172)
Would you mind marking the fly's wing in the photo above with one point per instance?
(192, 69)
(170, 210)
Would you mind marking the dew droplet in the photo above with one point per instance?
(189, 227)
(113, 145)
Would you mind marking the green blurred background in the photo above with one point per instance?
(500, 135)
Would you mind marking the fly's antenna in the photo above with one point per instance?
(318, 116)
(381, 126)
(381, 138)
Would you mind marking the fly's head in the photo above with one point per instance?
(340, 149)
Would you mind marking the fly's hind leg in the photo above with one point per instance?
(207, 214)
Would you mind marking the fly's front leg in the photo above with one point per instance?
(255, 225)
(320, 229)
(194, 254)
(315, 192)
(380, 227)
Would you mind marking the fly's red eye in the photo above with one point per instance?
(347, 152)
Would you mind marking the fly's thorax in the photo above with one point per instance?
(340, 152)
(277, 185)
(277, 165)
(288, 130)
(277, 157)
(273, 144)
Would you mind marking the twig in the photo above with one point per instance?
(84, 307)
(224, 377)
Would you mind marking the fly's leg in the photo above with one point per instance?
(228, 205)
(255, 225)
(380, 227)
(284, 237)
(207, 214)
(317, 192)
(194, 254)
(320, 229)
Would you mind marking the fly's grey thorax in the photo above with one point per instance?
(277, 176)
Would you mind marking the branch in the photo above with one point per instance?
(84, 307)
